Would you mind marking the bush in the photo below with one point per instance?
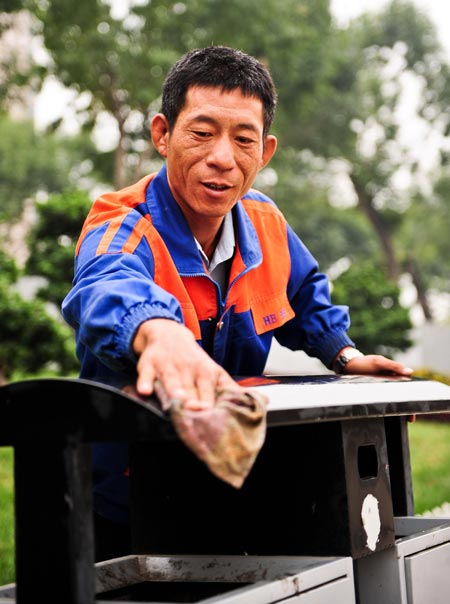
(379, 323)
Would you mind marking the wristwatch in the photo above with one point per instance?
(344, 357)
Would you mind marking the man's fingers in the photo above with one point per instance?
(402, 370)
(146, 378)
(377, 364)
(206, 387)
(388, 365)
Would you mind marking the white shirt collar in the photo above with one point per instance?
(225, 246)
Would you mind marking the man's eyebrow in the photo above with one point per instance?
(210, 120)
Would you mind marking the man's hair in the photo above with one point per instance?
(223, 67)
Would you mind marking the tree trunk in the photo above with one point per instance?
(393, 266)
(422, 298)
(119, 166)
(365, 203)
(120, 111)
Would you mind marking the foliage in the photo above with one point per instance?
(379, 323)
(52, 242)
(43, 340)
(10, 5)
(30, 338)
(8, 268)
(355, 119)
(122, 61)
(427, 374)
(32, 162)
(28, 162)
(16, 68)
(424, 235)
(302, 193)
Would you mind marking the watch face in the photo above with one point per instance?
(345, 357)
(340, 363)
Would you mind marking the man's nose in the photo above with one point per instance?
(221, 153)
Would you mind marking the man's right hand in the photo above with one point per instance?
(169, 353)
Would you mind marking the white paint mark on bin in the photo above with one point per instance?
(370, 517)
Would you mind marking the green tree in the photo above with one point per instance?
(425, 235)
(16, 66)
(28, 163)
(380, 324)
(52, 242)
(369, 63)
(8, 6)
(31, 340)
(303, 194)
(34, 162)
(120, 61)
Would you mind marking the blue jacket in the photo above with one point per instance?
(136, 259)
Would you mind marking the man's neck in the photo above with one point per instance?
(207, 233)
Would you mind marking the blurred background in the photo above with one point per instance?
(362, 169)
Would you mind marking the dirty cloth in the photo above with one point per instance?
(228, 436)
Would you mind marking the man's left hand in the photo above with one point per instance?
(376, 364)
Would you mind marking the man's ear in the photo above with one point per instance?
(159, 130)
(270, 145)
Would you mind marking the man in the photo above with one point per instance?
(185, 277)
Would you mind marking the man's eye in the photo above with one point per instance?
(201, 133)
(244, 140)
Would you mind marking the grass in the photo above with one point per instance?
(430, 460)
(7, 571)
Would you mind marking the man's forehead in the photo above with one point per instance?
(204, 97)
(211, 90)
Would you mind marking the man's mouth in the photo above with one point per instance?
(215, 187)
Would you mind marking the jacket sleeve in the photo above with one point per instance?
(319, 327)
(112, 294)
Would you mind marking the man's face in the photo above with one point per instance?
(214, 151)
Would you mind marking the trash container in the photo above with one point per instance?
(416, 570)
(227, 579)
